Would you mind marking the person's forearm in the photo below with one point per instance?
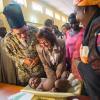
(49, 72)
(60, 69)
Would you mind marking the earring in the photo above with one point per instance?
(84, 11)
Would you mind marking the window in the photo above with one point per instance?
(37, 7)
(64, 19)
(22, 2)
(49, 12)
(57, 16)
(1, 5)
(33, 19)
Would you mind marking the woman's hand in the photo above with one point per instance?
(59, 70)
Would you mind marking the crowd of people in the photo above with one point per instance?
(28, 53)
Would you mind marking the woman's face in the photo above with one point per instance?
(44, 43)
(75, 25)
(79, 14)
(64, 30)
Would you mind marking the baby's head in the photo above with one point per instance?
(62, 85)
(34, 82)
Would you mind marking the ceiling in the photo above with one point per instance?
(65, 6)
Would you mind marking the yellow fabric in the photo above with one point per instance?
(84, 51)
(86, 2)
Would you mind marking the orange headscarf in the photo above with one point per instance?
(86, 2)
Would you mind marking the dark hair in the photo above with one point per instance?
(3, 32)
(48, 22)
(66, 25)
(48, 35)
(57, 31)
(55, 27)
(72, 18)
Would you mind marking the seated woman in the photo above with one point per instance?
(52, 56)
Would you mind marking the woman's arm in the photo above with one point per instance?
(61, 67)
(49, 72)
(12, 52)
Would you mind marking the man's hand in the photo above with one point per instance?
(28, 61)
(31, 62)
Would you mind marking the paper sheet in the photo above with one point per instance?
(21, 96)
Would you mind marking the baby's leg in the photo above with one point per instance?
(40, 87)
(64, 75)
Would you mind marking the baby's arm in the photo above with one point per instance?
(40, 87)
